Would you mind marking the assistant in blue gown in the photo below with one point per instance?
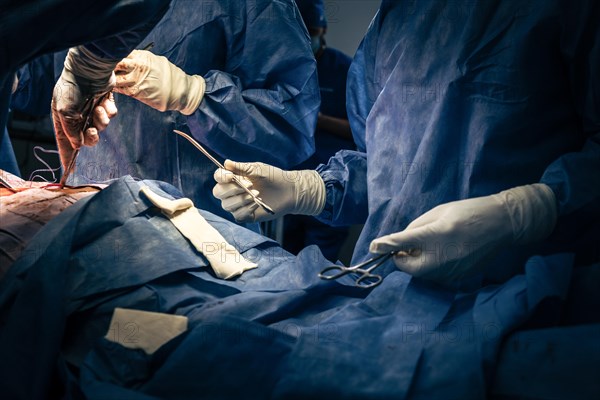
(31, 29)
(261, 100)
(450, 101)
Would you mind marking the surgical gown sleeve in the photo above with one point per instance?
(345, 175)
(575, 177)
(110, 28)
(264, 105)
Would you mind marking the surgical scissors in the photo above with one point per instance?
(366, 278)
(87, 112)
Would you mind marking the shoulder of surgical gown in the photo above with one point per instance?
(262, 105)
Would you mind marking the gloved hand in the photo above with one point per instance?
(15, 84)
(455, 239)
(84, 79)
(286, 192)
(156, 82)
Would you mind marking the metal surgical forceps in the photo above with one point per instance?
(366, 278)
(197, 145)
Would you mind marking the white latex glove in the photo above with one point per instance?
(158, 83)
(85, 77)
(286, 192)
(15, 84)
(455, 239)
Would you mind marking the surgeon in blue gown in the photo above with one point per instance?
(478, 134)
(110, 29)
(252, 60)
(333, 132)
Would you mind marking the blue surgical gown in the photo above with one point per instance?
(454, 100)
(260, 104)
(29, 29)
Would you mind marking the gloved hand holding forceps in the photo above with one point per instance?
(286, 192)
(478, 226)
(454, 240)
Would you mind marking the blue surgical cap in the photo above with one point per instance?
(313, 13)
